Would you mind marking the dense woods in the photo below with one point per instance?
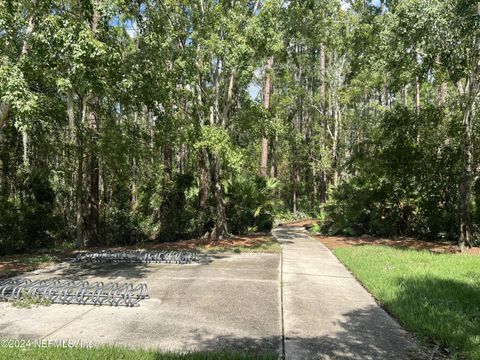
(130, 120)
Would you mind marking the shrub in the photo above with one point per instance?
(250, 204)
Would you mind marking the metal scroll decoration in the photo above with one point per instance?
(74, 292)
(139, 256)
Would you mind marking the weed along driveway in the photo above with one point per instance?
(228, 301)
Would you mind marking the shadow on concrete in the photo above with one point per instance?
(74, 270)
(356, 338)
(289, 234)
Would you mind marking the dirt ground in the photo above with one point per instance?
(304, 223)
(246, 241)
(334, 242)
(12, 265)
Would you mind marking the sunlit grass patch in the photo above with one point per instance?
(435, 296)
(119, 353)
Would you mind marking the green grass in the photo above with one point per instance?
(118, 353)
(38, 260)
(435, 296)
(26, 301)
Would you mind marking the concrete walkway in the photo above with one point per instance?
(229, 301)
(327, 313)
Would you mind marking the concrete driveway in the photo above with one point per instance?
(229, 301)
(328, 314)
(303, 304)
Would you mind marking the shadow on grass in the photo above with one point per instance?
(441, 311)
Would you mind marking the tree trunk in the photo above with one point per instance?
(204, 168)
(79, 193)
(26, 162)
(295, 170)
(294, 188)
(94, 175)
(266, 105)
(221, 229)
(216, 119)
(336, 136)
(466, 179)
(273, 157)
(323, 108)
(168, 159)
(71, 111)
(76, 143)
(323, 187)
(134, 191)
(472, 91)
(442, 94)
(79, 200)
(417, 95)
(322, 79)
(4, 112)
(203, 182)
(93, 170)
(405, 95)
(297, 131)
(4, 159)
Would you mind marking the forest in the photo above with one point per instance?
(123, 121)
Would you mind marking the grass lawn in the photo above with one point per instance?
(117, 353)
(435, 296)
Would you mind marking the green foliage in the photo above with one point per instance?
(9, 227)
(40, 199)
(250, 204)
(178, 215)
(21, 227)
(14, 89)
(37, 260)
(316, 228)
(159, 96)
(405, 183)
(27, 300)
(285, 216)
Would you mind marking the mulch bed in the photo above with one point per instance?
(335, 242)
(8, 269)
(299, 223)
(12, 265)
(251, 240)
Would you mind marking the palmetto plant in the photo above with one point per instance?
(251, 203)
